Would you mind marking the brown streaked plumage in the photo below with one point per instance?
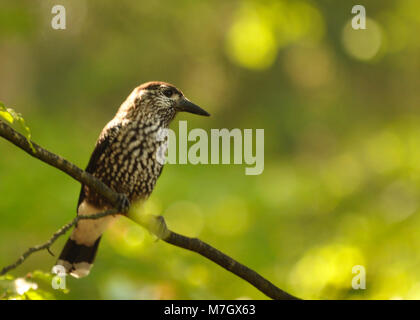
(124, 158)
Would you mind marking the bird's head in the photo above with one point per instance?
(158, 101)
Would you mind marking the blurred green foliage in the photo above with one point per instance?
(340, 109)
(34, 286)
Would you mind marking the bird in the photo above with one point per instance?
(125, 159)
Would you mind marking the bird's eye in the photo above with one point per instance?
(168, 93)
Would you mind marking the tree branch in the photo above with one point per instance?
(55, 236)
(61, 164)
(121, 204)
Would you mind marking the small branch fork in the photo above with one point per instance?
(55, 236)
(121, 205)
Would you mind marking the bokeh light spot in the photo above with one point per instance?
(362, 44)
(278, 185)
(251, 42)
(343, 175)
(197, 275)
(384, 151)
(230, 217)
(126, 237)
(185, 217)
(399, 201)
(329, 266)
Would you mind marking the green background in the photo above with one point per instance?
(340, 110)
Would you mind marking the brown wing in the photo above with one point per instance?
(102, 145)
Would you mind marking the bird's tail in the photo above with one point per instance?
(80, 250)
(78, 259)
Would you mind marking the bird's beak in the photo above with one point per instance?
(187, 106)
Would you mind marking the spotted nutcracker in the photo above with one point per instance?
(125, 158)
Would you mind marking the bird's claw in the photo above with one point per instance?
(159, 227)
(123, 203)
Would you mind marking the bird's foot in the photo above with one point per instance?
(158, 227)
(123, 203)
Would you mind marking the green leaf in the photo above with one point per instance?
(6, 277)
(6, 287)
(41, 275)
(12, 116)
(44, 279)
(6, 116)
(39, 295)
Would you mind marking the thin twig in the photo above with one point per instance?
(117, 200)
(55, 236)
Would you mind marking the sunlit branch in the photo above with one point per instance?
(121, 204)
